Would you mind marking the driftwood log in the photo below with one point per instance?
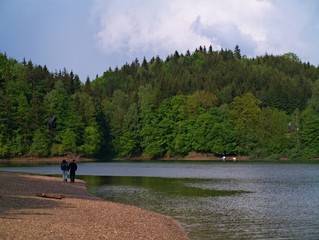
(49, 195)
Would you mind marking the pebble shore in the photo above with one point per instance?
(78, 215)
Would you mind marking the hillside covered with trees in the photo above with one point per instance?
(215, 102)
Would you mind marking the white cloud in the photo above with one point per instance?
(148, 26)
(139, 27)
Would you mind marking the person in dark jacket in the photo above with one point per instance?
(65, 169)
(72, 167)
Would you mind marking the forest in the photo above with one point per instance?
(206, 101)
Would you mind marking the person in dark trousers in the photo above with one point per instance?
(65, 169)
(72, 167)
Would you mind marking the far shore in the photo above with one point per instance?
(193, 156)
(45, 159)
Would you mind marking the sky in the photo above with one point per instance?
(90, 36)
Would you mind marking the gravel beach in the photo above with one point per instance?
(78, 215)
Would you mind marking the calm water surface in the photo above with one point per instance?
(213, 200)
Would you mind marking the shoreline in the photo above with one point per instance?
(35, 160)
(193, 156)
(79, 215)
(190, 157)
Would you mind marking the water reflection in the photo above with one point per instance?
(175, 197)
(242, 207)
(213, 200)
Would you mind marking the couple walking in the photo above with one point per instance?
(65, 167)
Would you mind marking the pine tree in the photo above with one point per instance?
(237, 53)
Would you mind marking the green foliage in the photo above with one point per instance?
(237, 53)
(56, 102)
(246, 113)
(292, 57)
(69, 140)
(272, 131)
(92, 141)
(4, 147)
(314, 100)
(57, 149)
(309, 132)
(216, 102)
(41, 144)
(129, 139)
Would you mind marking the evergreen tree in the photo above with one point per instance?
(237, 52)
(207, 101)
(309, 133)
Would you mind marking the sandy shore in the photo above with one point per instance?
(78, 215)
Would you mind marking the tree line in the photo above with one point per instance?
(217, 102)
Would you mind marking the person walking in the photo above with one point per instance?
(72, 167)
(65, 169)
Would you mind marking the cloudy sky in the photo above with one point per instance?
(89, 36)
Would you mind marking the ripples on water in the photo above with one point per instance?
(253, 201)
(215, 200)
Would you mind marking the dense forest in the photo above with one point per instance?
(215, 102)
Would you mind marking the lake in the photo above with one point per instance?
(212, 200)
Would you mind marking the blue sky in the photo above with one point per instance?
(89, 36)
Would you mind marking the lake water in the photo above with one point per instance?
(212, 200)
